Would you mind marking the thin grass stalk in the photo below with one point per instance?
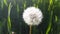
(38, 3)
(24, 5)
(51, 14)
(2, 4)
(50, 3)
(56, 18)
(18, 10)
(50, 23)
(5, 2)
(9, 20)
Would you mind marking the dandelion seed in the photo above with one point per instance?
(32, 16)
(13, 32)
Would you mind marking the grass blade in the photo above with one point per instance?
(9, 20)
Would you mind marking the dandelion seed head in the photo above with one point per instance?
(32, 16)
(13, 32)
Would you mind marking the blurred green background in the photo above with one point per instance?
(11, 16)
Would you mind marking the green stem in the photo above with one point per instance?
(9, 20)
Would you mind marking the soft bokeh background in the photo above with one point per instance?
(11, 16)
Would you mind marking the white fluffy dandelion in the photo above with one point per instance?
(32, 16)
(13, 32)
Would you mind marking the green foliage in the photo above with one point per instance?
(11, 16)
(5, 2)
(9, 20)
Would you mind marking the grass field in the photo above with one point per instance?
(11, 16)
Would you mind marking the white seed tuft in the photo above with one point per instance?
(32, 16)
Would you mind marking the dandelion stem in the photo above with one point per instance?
(30, 29)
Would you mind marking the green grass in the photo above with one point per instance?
(9, 20)
(50, 9)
